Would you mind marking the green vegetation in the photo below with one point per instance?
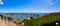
(40, 21)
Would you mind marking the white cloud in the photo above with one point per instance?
(45, 2)
(1, 2)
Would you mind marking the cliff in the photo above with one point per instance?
(51, 14)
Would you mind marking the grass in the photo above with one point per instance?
(40, 21)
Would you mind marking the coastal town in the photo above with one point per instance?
(10, 19)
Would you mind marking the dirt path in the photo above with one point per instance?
(6, 23)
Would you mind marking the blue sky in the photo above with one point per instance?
(30, 6)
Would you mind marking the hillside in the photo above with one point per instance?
(51, 17)
(54, 14)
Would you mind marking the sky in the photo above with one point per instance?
(30, 6)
